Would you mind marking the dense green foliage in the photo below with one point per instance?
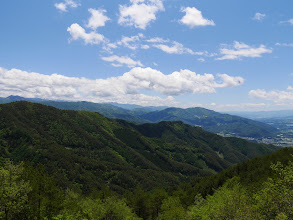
(252, 174)
(28, 192)
(89, 151)
(70, 165)
(274, 200)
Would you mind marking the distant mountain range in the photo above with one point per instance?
(90, 151)
(207, 119)
(264, 114)
(213, 121)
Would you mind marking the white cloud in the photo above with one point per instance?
(132, 43)
(138, 42)
(277, 96)
(201, 59)
(230, 81)
(140, 13)
(116, 65)
(240, 50)
(145, 47)
(77, 32)
(193, 18)
(112, 45)
(176, 48)
(290, 21)
(97, 19)
(259, 16)
(122, 89)
(178, 83)
(124, 60)
(157, 40)
(284, 44)
(62, 6)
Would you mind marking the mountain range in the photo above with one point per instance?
(91, 151)
(207, 119)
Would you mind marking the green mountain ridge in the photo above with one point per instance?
(213, 121)
(92, 151)
(207, 119)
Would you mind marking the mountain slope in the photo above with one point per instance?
(209, 120)
(110, 110)
(252, 174)
(88, 149)
(213, 121)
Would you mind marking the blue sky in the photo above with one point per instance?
(223, 55)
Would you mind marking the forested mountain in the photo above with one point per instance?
(87, 149)
(257, 189)
(207, 119)
(108, 110)
(213, 121)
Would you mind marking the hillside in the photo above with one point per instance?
(252, 174)
(207, 119)
(108, 110)
(88, 149)
(213, 121)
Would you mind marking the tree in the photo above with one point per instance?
(117, 209)
(45, 199)
(229, 202)
(172, 209)
(13, 191)
(275, 200)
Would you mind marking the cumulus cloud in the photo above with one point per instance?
(193, 18)
(259, 16)
(140, 13)
(124, 89)
(277, 96)
(124, 60)
(35, 85)
(77, 32)
(240, 50)
(97, 19)
(62, 6)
